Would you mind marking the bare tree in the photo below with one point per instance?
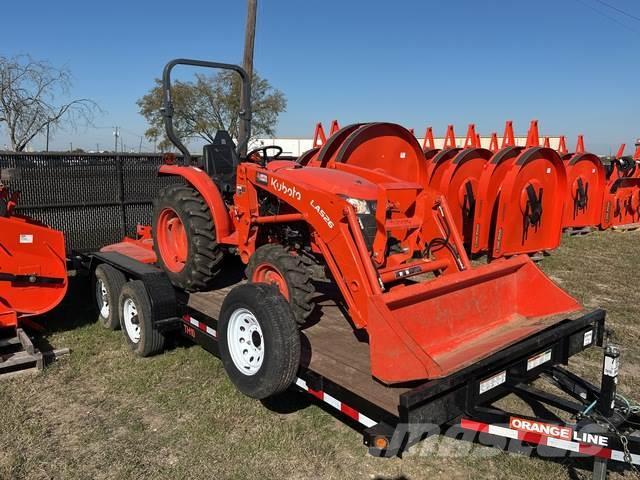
(29, 90)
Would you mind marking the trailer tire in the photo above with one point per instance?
(107, 285)
(197, 257)
(136, 320)
(272, 263)
(258, 317)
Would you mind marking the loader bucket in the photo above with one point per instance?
(435, 328)
(586, 181)
(33, 276)
(457, 177)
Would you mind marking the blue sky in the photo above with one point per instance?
(572, 64)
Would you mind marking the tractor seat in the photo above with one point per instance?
(220, 160)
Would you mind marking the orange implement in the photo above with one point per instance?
(456, 174)
(586, 182)
(33, 275)
(621, 199)
(521, 196)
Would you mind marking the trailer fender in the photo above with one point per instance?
(201, 181)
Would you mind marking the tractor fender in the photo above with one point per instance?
(201, 181)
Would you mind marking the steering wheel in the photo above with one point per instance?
(259, 155)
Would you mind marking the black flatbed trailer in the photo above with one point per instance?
(335, 369)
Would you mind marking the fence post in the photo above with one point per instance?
(123, 213)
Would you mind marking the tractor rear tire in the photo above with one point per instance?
(185, 239)
(136, 320)
(259, 340)
(274, 264)
(107, 285)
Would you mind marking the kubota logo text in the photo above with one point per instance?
(280, 186)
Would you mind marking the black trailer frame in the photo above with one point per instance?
(461, 403)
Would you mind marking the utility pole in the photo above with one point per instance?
(140, 147)
(116, 134)
(47, 137)
(247, 61)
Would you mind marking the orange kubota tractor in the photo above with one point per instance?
(360, 208)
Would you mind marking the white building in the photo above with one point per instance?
(296, 146)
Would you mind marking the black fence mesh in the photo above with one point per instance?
(95, 199)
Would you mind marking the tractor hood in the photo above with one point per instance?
(330, 180)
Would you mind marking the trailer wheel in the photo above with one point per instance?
(136, 320)
(107, 284)
(184, 238)
(259, 340)
(275, 265)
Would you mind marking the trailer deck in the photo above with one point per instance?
(334, 368)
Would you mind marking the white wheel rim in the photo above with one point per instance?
(245, 341)
(102, 297)
(130, 318)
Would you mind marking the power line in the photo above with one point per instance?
(613, 19)
(619, 10)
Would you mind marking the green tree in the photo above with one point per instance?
(211, 103)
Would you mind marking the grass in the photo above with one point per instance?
(100, 413)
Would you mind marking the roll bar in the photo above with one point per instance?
(167, 108)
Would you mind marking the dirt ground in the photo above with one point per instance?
(101, 413)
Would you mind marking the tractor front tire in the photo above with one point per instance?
(184, 238)
(107, 285)
(274, 264)
(259, 340)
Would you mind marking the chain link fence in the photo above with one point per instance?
(95, 199)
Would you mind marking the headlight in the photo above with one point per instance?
(361, 206)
